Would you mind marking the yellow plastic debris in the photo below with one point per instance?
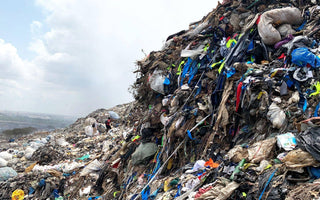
(317, 86)
(169, 166)
(18, 194)
(29, 169)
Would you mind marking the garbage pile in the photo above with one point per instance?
(228, 109)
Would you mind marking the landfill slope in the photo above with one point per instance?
(227, 109)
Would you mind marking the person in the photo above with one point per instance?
(95, 130)
(108, 124)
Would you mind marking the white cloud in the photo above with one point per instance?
(85, 57)
(35, 28)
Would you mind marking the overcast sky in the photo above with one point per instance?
(75, 56)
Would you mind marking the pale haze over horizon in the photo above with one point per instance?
(72, 57)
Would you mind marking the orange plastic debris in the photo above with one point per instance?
(211, 164)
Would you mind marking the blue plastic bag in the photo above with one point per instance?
(114, 115)
(6, 173)
(302, 56)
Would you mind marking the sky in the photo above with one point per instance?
(72, 57)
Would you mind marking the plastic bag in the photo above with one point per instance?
(6, 173)
(302, 56)
(197, 29)
(165, 119)
(261, 150)
(89, 121)
(88, 130)
(69, 167)
(285, 30)
(299, 158)
(294, 98)
(198, 165)
(28, 152)
(237, 153)
(276, 116)
(85, 191)
(6, 156)
(43, 168)
(114, 115)
(144, 151)
(62, 142)
(190, 53)
(222, 190)
(309, 141)
(3, 162)
(94, 166)
(106, 145)
(187, 52)
(36, 144)
(156, 81)
(287, 141)
(267, 32)
(263, 165)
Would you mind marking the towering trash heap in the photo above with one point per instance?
(228, 109)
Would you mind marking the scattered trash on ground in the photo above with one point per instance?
(228, 109)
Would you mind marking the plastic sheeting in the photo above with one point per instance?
(143, 152)
(310, 141)
(302, 56)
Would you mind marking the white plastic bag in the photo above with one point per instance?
(62, 142)
(294, 98)
(106, 145)
(286, 141)
(276, 116)
(197, 29)
(94, 166)
(69, 167)
(35, 145)
(164, 119)
(198, 165)
(190, 53)
(89, 121)
(88, 130)
(156, 81)
(3, 162)
(28, 152)
(84, 191)
(285, 30)
(6, 156)
(42, 168)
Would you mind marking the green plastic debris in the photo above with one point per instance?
(84, 157)
(237, 170)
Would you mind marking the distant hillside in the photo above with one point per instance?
(43, 122)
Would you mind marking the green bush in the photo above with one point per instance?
(18, 132)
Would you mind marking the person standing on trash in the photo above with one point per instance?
(108, 124)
